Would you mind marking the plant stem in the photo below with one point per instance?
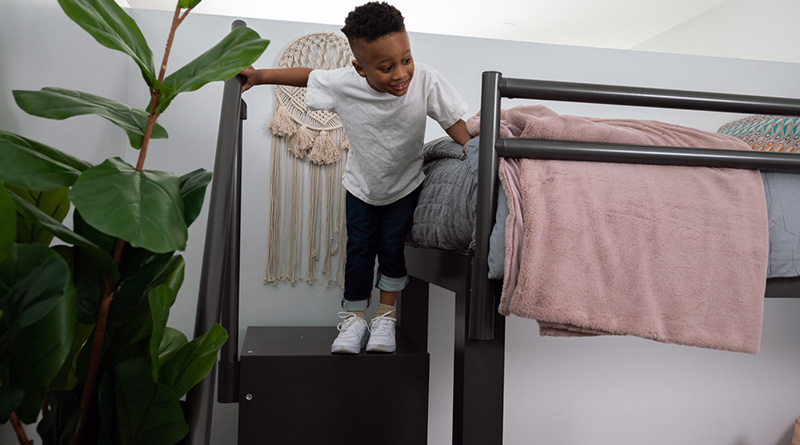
(155, 93)
(92, 374)
(23, 438)
(88, 396)
(148, 131)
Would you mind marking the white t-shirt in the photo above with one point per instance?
(386, 132)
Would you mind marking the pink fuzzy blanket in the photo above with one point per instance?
(673, 254)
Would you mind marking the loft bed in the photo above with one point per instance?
(480, 329)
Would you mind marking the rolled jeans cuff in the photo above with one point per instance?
(390, 284)
(355, 305)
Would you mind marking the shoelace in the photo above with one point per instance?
(348, 318)
(376, 326)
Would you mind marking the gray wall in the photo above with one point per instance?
(559, 391)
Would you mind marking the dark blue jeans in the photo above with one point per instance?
(375, 231)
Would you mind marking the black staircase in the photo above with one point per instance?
(290, 388)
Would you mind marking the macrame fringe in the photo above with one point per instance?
(282, 124)
(301, 141)
(272, 273)
(324, 151)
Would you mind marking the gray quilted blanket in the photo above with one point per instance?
(445, 214)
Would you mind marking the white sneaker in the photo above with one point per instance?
(382, 337)
(352, 334)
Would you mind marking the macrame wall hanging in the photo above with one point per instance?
(309, 151)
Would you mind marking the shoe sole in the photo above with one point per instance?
(347, 349)
(381, 348)
(344, 350)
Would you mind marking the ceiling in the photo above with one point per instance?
(620, 24)
(702, 27)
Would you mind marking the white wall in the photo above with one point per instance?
(41, 47)
(761, 30)
(559, 391)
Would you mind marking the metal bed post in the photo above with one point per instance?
(219, 280)
(482, 302)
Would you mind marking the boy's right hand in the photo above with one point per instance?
(251, 78)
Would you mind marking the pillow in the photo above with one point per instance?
(766, 133)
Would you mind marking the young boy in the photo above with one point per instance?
(383, 101)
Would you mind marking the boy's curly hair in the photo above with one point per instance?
(372, 21)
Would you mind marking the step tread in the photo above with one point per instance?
(272, 341)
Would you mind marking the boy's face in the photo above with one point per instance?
(386, 63)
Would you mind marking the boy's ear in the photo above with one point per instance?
(359, 68)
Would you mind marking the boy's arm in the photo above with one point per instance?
(295, 77)
(459, 133)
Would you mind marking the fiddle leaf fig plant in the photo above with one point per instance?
(85, 346)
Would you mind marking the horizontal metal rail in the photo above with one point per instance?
(646, 154)
(645, 97)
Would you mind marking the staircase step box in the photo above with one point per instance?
(294, 391)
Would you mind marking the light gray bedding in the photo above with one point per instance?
(445, 215)
(783, 212)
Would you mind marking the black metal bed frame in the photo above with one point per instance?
(480, 330)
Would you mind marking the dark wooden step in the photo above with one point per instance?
(294, 391)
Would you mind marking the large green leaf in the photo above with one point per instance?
(172, 342)
(30, 165)
(108, 23)
(140, 269)
(86, 276)
(171, 275)
(193, 362)
(188, 4)
(237, 50)
(161, 299)
(130, 322)
(59, 103)
(33, 214)
(39, 304)
(10, 398)
(59, 425)
(8, 223)
(54, 203)
(143, 208)
(66, 379)
(193, 190)
(34, 279)
(40, 352)
(146, 412)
